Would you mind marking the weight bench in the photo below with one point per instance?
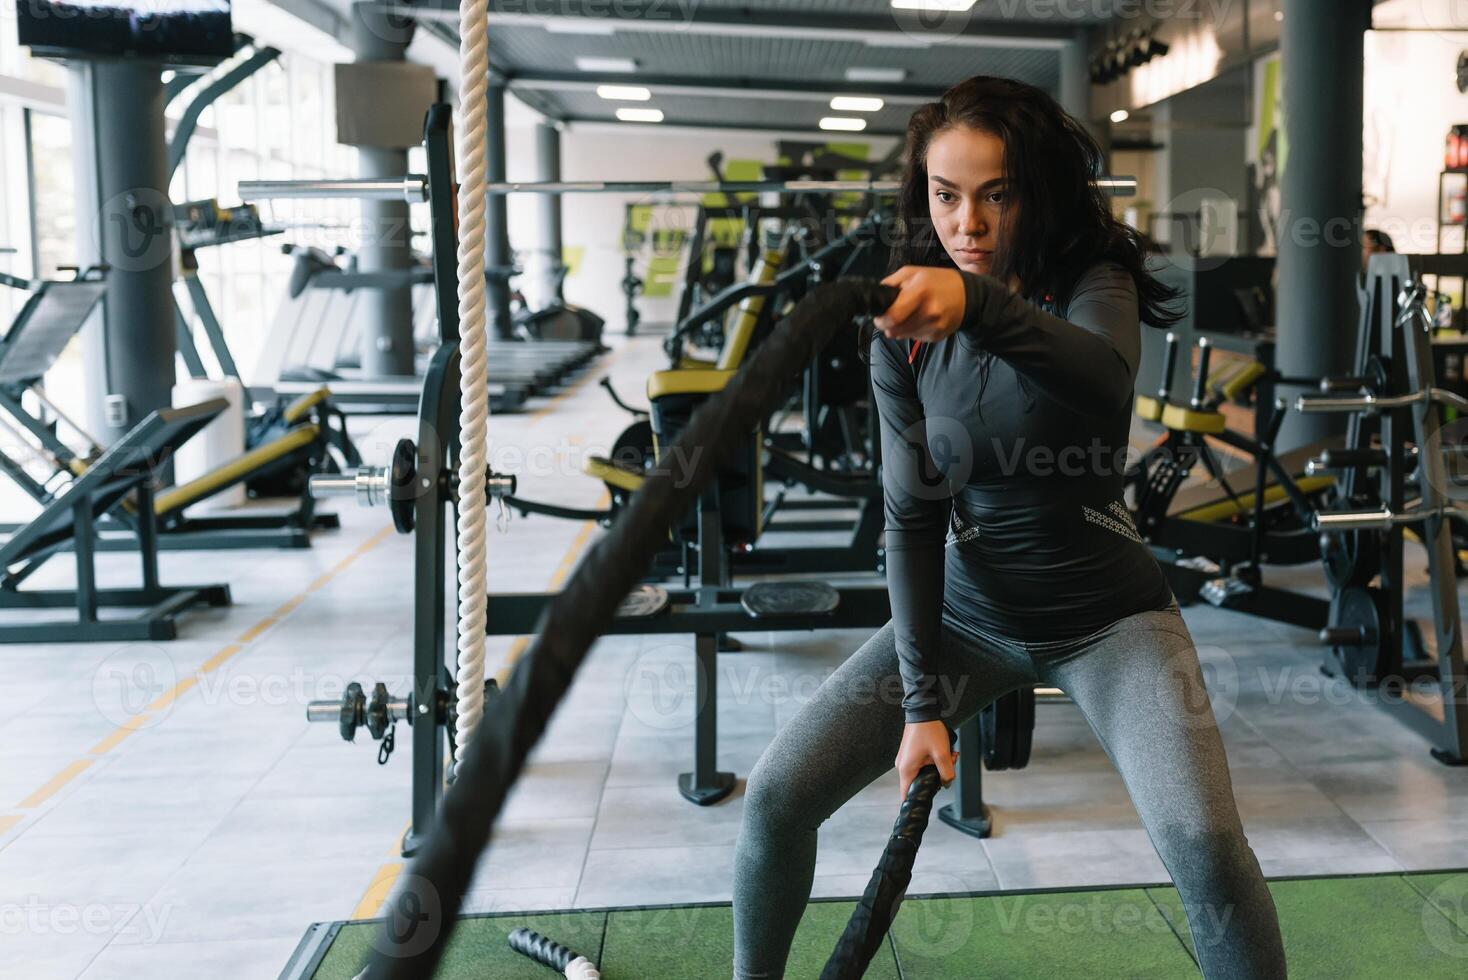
(53, 314)
(1213, 541)
(70, 521)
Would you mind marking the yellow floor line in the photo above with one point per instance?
(213, 663)
(258, 628)
(377, 892)
(371, 903)
(147, 716)
(114, 740)
(54, 784)
(7, 822)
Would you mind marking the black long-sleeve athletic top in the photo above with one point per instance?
(1003, 450)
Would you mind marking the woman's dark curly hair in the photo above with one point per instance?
(1062, 220)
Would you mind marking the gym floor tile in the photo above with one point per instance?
(320, 762)
(639, 817)
(556, 791)
(853, 835)
(1072, 858)
(1421, 845)
(627, 876)
(1403, 788)
(1323, 845)
(645, 761)
(267, 903)
(504, 901)
(53, 942)
(218, 960)
(1043, 800)
(106, 867)
(535, 853)
(268, 830)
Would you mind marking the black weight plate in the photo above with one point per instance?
(992, 735)
(1358, 609)
(1351, 558)
(642, 602)
(790, 599)
(403, 487)
(1024, 732)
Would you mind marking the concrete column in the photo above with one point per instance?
(386, 246)
(1075, 81)
(548, 144)
(1322, 57)
(124, 219)
(497, 254)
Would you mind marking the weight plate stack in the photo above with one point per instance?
(1351, 558)
(1357, 635)
(1008, 727)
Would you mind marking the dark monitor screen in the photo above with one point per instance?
(176, 31)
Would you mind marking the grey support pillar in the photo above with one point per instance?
(1075, 80)
(497, 256)
(124, 219)
(386, 246)
(548, 147)
(1322, 57)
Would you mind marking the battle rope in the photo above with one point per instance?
(424, 911)
(549, 953)
(873, 915)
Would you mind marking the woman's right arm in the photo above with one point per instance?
(916, 503)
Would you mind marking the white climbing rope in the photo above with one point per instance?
(473, 367)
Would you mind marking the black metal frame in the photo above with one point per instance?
(1174, 539)
(129, 468)
(706, 611)
(1407, 351)
(118, 530)
(177, 147)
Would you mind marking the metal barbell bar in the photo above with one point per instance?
(414, 187)
(396, 486)
(1371, 404)
(1381, 519)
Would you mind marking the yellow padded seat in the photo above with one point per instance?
(1240, 381)
(1148, 409)
(1182, 419)
(689, 381)
(736, 344)
(601, 468)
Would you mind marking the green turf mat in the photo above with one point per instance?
(1115, 933)
(478, 947)
(1362, 928)
(1368, 927)
(653, 944)
(1447, 891)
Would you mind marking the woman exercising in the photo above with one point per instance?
(1003, 375)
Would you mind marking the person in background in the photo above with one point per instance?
(1374, 241)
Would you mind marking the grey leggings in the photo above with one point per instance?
(1138, 684)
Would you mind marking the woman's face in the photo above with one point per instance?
(967, 195)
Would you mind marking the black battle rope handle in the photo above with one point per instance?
(873, 915)
(548, 952)
(422, 915)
